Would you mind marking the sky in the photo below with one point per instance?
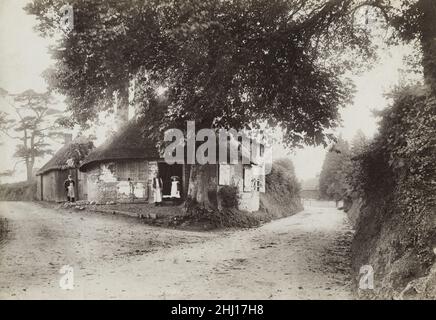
(23, 57)
(371, 88)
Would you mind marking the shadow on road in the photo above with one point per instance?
(3, 230)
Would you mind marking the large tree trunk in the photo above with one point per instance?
(29, 170)
(428, 41)
(203, 186)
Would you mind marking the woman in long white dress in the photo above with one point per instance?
(157, 188)
(175, 187)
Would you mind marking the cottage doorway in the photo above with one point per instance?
(166, 171)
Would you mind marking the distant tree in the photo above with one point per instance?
(332, 181)
(358, 143)
(30, 123)
(352, 170)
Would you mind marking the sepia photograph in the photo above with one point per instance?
(217, 155)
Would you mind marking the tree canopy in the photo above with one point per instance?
(332, 180)
(226, 63)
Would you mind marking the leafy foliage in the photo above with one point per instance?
(405, 146)
(415, 21)
(282, 180)
(282, 191)
(225, 63)
(395, 176)
(229, 196)
(332, 180)
(341, 171)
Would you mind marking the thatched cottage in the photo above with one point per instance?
(66, 161)
(130, 158)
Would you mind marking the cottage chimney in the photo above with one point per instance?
(122, 106)
(68, 137)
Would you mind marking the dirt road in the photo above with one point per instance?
(305, 256)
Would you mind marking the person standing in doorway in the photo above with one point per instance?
(131, 189)
(157, 190)
(69, 189)
(175, 188)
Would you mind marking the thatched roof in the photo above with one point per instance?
(128, 144)
(69, 156)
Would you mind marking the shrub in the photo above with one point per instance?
(332, 184)
(282, 191)
(229, 196)
(20, 191)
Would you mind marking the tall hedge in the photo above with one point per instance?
(396, 179)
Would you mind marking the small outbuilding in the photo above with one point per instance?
(51, 177)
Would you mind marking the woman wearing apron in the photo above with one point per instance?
(157, 188)
(69, 189)
(175, 188)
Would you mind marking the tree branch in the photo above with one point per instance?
(375, 4)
